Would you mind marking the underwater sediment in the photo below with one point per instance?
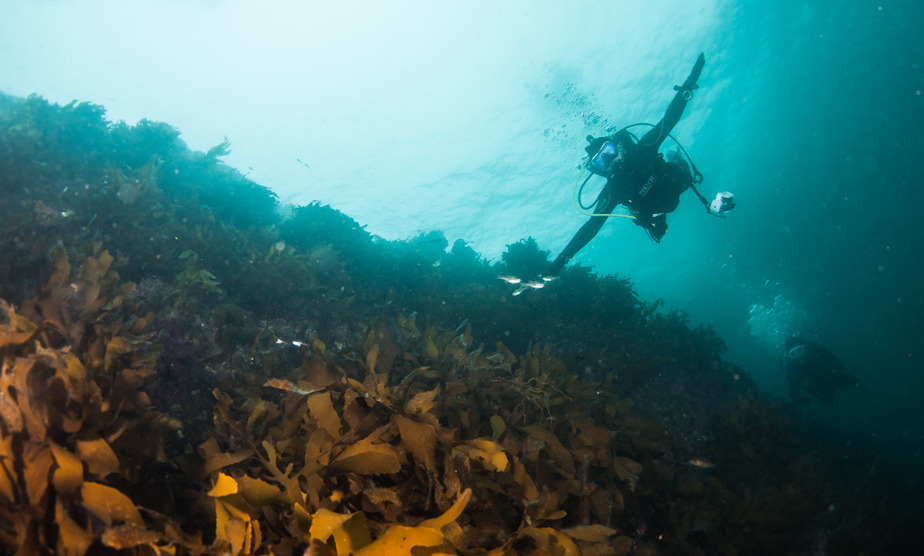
(189, 368)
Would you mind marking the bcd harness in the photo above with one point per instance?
(609, 151)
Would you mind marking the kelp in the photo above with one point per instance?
(380, 455)
(525, 259)
(422, 440)
(186, 372)
(75, 142)
(72, 415)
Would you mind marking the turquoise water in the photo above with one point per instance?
(828, 146)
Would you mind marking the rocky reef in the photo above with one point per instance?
(190, 368)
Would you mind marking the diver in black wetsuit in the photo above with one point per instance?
(639, 177)
(812, 370)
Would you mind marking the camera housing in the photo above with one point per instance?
(722, 203)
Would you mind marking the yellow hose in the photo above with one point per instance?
(580, 209)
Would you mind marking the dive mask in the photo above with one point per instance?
(600, 163)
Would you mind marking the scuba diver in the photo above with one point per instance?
(640, 178)
(812, 370)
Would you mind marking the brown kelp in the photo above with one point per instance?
(186, 370)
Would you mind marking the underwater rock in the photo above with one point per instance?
(294, 384)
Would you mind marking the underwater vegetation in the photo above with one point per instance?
(188, 369)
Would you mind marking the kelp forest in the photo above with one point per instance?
(190, 367)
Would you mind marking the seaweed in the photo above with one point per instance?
(72, 412)
(525, 259)
(187, 371)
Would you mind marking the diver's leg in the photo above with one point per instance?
(659, 133)
(605, 205)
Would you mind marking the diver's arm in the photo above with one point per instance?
(659, 133)
(586, 233)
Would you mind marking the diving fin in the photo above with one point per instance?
(690, 83)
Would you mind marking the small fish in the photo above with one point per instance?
(510, 279)
(295, 343)
(701, 463)
(528, 285)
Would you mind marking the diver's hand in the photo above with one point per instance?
(690, 84)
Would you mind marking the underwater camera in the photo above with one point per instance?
(723, 202)
(600, 162)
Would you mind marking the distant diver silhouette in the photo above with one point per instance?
(813, 371)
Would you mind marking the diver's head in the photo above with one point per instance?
(594, 144)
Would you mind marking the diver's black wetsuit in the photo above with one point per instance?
(642, 180)
(812, 370)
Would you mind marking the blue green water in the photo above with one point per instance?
(827, 152)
